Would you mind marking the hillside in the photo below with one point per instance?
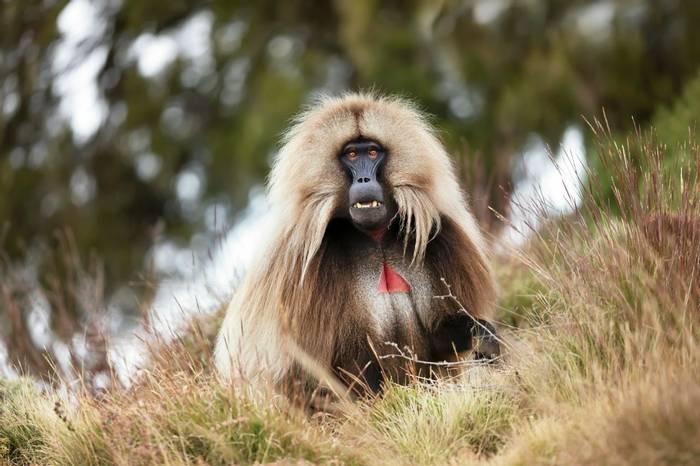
(599, 312)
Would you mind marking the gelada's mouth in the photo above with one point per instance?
(369, 215)
(367, 205)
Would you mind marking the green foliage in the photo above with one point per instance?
(676, 123)
(677, 128)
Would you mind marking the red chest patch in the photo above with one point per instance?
(391, 282)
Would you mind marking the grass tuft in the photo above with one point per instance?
(600, 314)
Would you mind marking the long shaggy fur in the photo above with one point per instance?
(297, 294)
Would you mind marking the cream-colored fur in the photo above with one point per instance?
(306, 187)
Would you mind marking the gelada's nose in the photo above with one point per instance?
(367, 191)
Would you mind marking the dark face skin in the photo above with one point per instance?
(370, 205)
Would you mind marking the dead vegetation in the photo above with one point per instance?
(600, 313)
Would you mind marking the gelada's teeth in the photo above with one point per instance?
(366, 205)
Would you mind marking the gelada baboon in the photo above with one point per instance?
(370, 225)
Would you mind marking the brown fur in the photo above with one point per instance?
(299, 295)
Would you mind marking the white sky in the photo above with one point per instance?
(81, 103)
(552, 184)
(80, 22)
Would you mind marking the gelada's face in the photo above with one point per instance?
(369, 199)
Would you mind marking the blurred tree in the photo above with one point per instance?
(677, 123)
(137, 122)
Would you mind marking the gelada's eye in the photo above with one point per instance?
(373, 154)
(352, 155)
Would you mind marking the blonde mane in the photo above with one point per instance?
(277, 300)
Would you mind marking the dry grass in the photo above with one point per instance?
(601, 317)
